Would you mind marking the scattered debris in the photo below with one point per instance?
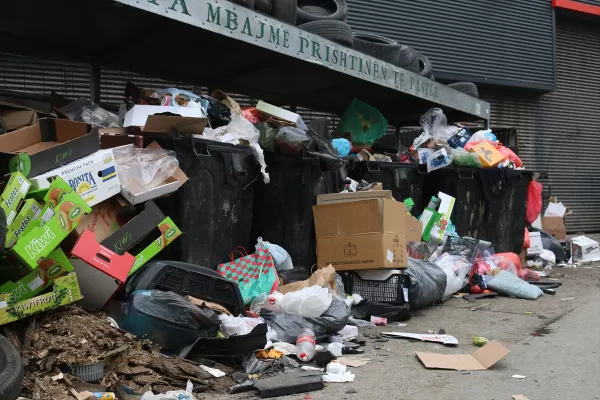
(568, 298)
(519, 397)
(519, 376)
(480, 341)
(445, 339)
(355, 362)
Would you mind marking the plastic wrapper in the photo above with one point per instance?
(310, 302)
(91, 113)
(179, 98)
(238, 326)
(363, 122)
(268, 133)
(143, 169)
(291, 140)
(392, 312)
(508, 284)
(168, 319)
(172, 395)
(342, 146)
(463, 158)
(435, 124)
(427, 283)
(288, 326)
(324, 148)
(457, 271)
(252, 115)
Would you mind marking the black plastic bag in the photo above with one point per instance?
(168, 319)
(289, 326)
(393, 312)
(218, 113)
(549, 242)
(291, 140)
(324, 149)
(426, 283)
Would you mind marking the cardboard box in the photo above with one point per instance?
(42, 236)
(47, 145)
(272, 111)
(445, 209)
(414, 229)
(51, 268)
(429, 218)
(584, 249)
(480, 360)
(144, 236)
(555, 226)
(93, 177)
(363, 251)
(334, 198)
(65, 291)
(163, 119)
(30, 211)
(535, 246)
(139, 195)
(488, 154)
(13, 193)
(101, 272)
(103, 220)
(16, 116)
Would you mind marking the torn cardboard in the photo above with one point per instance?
(164, 119)
(16, 116)
(414, 229)
(480, 360)
(333, 198)
(324, 277)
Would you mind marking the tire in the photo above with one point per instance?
(2, 232)
(425, 68)
(336, 31)
(263, 5)
(3, 128)
(11, 370)
(466, 87)
(317, 10)
(246, 3)
(285, 10)
(408, 59)
(377, 46)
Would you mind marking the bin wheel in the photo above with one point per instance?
(466, 87)
(318, 10)
(11, 370)
(285, 10)
(336, 31)
(377, 46)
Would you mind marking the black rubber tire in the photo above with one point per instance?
(263, 6)
(2, 232)
(377, 46)
(466, 87)
(336, 31)
(285, 10)
(11, 370)
(314, 10)
(408, 59)
(425, 68)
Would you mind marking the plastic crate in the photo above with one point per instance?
(187, 280)
(382, 291)
(463, 247)
(231, 347)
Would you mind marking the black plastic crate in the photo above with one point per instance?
(231, 347)
(382, 291)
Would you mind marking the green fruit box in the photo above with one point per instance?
(169, 232)
(30, 211)
(63, 212)
(65, 291)
(49, 269)
(15, 190)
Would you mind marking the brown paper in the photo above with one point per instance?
(482, 359)
(209, 304)
(323, 277)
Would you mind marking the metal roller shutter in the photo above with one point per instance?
(502, 42)
(559, 131)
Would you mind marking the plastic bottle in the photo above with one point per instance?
(305, 345)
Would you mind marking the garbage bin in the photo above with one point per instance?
(403, 179)
(214, 208)
(485, 208)
(283, 208)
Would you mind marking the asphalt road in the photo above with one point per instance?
(563, 362)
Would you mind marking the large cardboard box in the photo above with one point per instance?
(46, 145)
(16, 116)
(555, 226)
(94, 177)
(366, 234)
(334, 198)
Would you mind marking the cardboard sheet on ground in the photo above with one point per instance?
(480, 360)
(519, 397)
(355, 362)
(444, 339)
(323, 277)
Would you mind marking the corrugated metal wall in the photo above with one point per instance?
(559, 132)
(487, 41)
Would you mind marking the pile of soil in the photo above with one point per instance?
(57, 340)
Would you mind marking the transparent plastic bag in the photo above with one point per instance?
(282, 259)
(143, 169)
(89, 112)
(309, 302)
(238, 326)
(365, 123)
(435, 124)
(457, 270)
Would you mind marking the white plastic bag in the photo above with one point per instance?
(310, 302)
(457, 271)
(172, 395)
(238, 326)
(282, 259)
